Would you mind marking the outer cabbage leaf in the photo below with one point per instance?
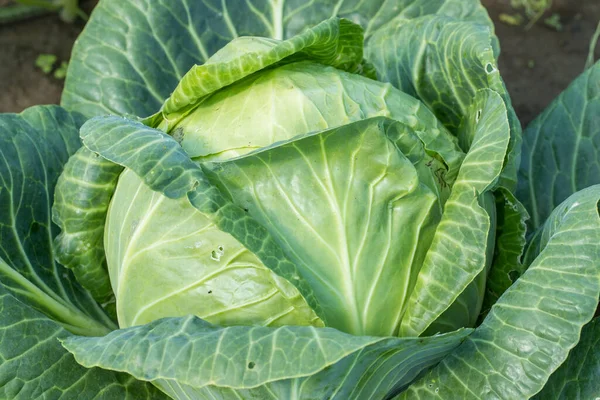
(444, 61)
(507, 265)
(190, 358)
(39, 298)
(579, 376)
(35, 365)
(131, 55)
(396, 10)
(82, 196)
(561, 148)
(34, 147)
(528, 333)
(457, 254)
(465, 310)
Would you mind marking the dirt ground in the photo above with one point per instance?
(21, 83)
(556, 57)
(537, 64)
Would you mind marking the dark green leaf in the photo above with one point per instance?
(132, 54)
(579, 376)
(510, 243)
(560, 148)
(444, 61)
(528, 333)
(34, 147)
(457, 254)
(34, 365)
(189, 355)
(82, 197)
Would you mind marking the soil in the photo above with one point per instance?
(537, 64)
(22, 84)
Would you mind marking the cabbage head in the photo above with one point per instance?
(331, 187)
(275, 200)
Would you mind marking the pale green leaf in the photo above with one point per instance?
(166, 168)
(297, 99)
(458, 252)
(191, 268)
(355, 208)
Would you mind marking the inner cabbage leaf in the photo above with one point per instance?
(165, 258)
(352, 208)
(294, 99)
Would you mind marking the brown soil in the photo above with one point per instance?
(537, 64)
(556, 57)
(22, 84)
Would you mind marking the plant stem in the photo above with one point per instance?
(20, 12)
(593, 43)
(71, 318)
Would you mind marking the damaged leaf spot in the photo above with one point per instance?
(178, 135)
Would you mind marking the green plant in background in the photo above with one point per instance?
(534, 9)
(68, 10)
(258, 200)
(511, 19)
(46, 63)
(61, 71)
(553, 21)
(593, 44)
